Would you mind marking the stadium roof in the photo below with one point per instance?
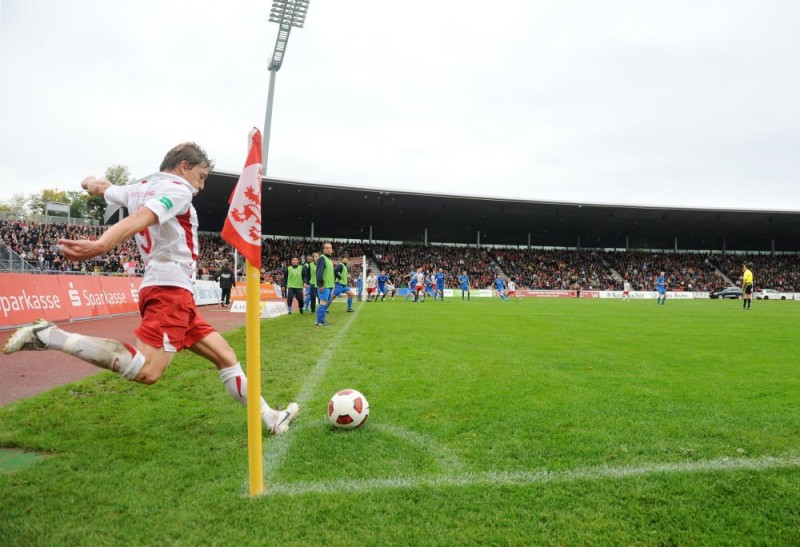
(290, 207)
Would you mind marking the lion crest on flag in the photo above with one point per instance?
(242, 227)
(247, 216)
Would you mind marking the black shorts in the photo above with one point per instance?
(748, 289)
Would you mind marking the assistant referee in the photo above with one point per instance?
(747, 286)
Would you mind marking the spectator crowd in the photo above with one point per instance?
(556, 269)
(36, 243)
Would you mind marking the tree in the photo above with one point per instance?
(17, 206)
(37, 203)
(119, 175)
(78, 201)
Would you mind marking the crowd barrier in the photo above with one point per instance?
(272, 304)
(26, 297)
(268, 292)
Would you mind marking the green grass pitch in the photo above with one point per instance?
(508, 423)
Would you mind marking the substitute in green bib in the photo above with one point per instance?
(325, 283)
(341, 286)
(293, 282)
(310, 281)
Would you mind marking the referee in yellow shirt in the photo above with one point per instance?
(747, 286)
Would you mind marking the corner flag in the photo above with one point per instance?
(242, 227)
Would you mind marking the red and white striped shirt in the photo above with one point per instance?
(168, 249)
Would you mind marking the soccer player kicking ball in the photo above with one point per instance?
(164, 224)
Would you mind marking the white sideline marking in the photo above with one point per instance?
(277, 447)
(524, 478)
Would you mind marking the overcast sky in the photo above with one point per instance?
(681, 103)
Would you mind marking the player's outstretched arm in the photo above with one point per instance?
(84, 249)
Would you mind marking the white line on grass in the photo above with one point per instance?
(427, 445)
(447, 460)
(525, 478)
(275, 450)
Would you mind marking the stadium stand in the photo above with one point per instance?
(37, 244)
(401, 259)
(780, 272)
(683, 272)
(555, 269)
(533, 268)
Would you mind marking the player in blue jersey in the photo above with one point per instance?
(661, 287)
(382, 279)
(439, 284)
(500, 286)
(412, 281)
(463, 279)
(428, 287)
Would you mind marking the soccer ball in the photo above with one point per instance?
(348, 409)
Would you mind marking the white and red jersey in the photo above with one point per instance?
(168, 249)
(512, 287)
(372, 282)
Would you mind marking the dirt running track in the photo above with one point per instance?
(27, 373)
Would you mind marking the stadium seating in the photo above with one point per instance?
(533, 268)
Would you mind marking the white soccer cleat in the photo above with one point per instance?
(24, 338)
(285, 418)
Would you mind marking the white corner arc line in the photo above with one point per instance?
(277, 447)
(527, 478)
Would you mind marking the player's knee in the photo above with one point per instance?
(147, 377)
(226, 358)
(149, 374)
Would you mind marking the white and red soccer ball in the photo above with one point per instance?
(348, 409)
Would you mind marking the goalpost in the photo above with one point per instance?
(356, 275)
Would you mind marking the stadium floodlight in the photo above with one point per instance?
(287, 14)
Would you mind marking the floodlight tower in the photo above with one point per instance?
(288, 14)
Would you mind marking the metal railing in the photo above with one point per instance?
(51, 219)
(10, 261)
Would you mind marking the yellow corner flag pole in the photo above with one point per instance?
(253, 345)
(242, 229)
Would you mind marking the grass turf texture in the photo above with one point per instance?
(538, 421)
(13, 460)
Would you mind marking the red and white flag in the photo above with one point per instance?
(242, 227)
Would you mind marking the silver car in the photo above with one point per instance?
(769, 294)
